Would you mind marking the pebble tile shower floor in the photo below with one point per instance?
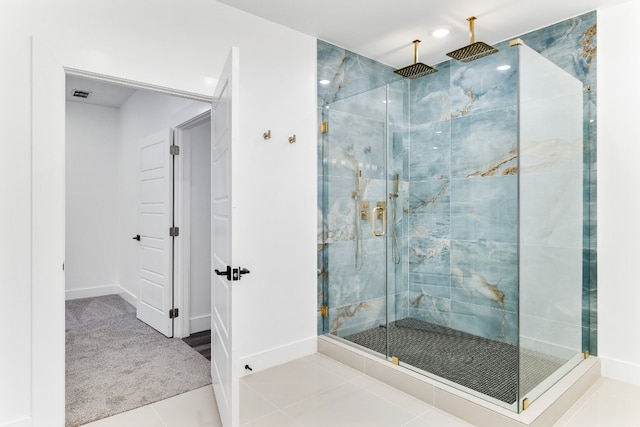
(487, 366)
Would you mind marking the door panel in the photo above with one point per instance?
(224, 370)
(155, 217)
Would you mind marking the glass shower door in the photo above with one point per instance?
(354, 219)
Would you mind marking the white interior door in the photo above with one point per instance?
(155, 218)
(224, 371)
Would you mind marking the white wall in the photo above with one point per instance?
(143, 41)
(91, 264)
(15, 246)
(618, 198)
(200, 227)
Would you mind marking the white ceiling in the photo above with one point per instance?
(384, 29)
(102, 93)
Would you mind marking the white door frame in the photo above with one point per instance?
(182, 283)
(48, 226)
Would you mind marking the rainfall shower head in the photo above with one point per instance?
(417, 69)
(474, 50)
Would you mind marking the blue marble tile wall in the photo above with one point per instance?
(458, 197)
(463, 206)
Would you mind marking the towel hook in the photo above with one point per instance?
(267, 135)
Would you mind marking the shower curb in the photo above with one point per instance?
(543, 412)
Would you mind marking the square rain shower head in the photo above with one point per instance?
(416, 70)
(472, 52)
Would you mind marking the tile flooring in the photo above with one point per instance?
(318, 391)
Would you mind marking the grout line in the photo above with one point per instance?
(275, 409)
(159, 416)
(271, 413)
(412, 420)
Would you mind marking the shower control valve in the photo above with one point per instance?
(364, 210)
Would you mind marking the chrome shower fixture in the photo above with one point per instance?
(417, 69)
(474, 50)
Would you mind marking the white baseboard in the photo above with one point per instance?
(100, 291)
(128, 296)
(621, 371)
(278, 355)
(97, 291)
(25, 422)
(200, 323)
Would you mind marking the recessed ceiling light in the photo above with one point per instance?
(440, 32)
(503, 67)
(324, 82)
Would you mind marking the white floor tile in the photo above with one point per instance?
(140, 417)
(317, 391)
(274, 419)
(347, 405)
(253, 405)
(196, 408)
(612, 404)
(288, 383)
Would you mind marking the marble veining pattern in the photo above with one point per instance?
(478, 87)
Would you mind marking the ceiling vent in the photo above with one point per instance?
(80, 93)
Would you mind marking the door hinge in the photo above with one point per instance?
(324, 311)
(173, 313)
(174, 231)
(174, 150)
(324, 127)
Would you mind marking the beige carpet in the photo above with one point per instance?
(115, 362)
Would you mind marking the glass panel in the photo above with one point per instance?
(551, 222)
(354, 191)
(460, 325)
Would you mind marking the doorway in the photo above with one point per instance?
(102, 215)
(103, 196)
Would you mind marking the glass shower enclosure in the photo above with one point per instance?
(451, 224)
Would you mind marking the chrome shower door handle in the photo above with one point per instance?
(379, 212)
